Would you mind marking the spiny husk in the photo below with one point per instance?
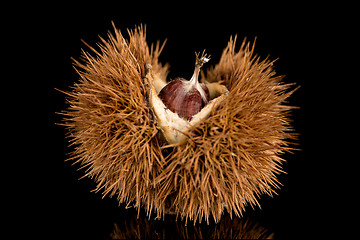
(229, 160)
(110, 122)
(233, 156)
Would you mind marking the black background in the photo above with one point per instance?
(299, 35)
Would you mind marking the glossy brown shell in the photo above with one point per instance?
(185, 103)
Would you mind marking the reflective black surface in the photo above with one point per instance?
(66, 205)
(227, 228)
(81, 213)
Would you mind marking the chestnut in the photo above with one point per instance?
(186, 98)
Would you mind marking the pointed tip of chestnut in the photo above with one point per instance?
(186, 103)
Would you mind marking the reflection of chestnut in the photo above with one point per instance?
(186, 103)
(134, 227)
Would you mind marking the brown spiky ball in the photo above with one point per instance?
(224, 162)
